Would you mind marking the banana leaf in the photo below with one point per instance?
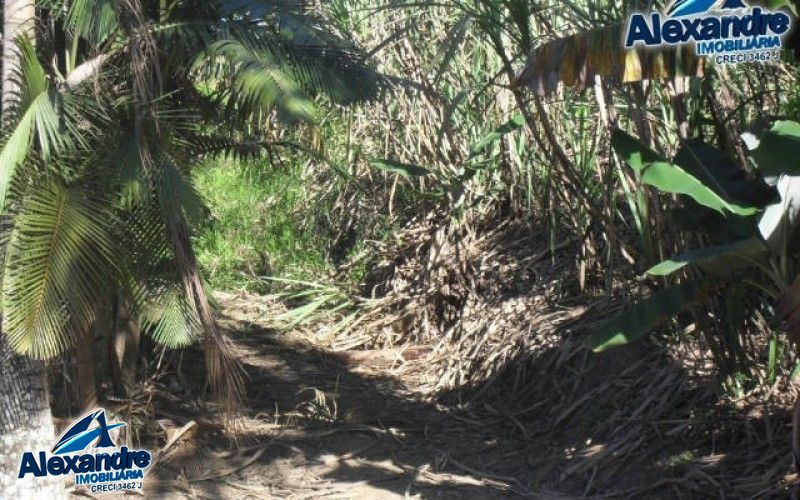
(673, 179)
(641, 319)
(778, 151)
(633, 151)
(720, 260)
(724, 176)
(576, 59)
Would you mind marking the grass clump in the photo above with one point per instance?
(257, 226)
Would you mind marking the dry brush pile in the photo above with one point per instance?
(510, 222)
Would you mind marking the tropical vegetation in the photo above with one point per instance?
(393, 176)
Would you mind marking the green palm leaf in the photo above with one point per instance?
(170, 320)
(94, 20)
(260, 80)
(58, 259)
(176, 193)
(14, 151)
(153, 283)
(41, 116)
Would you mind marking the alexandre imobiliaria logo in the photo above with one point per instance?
(77, 451)
(729, 31)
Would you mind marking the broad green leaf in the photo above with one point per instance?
(514, 123)
(778, 151)
(633, 151)
(673, 179)
(404, 169)
(716, 260)
(644, 317)
(722, 175)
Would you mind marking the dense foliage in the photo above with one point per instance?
(118, 101)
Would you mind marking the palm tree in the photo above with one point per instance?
(115, 104)
(25, 418)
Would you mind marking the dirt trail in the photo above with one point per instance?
(320, 424)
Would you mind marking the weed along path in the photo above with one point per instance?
(359, 424)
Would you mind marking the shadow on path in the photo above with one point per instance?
(625, 424)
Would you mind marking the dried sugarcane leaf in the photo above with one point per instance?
(575, 60)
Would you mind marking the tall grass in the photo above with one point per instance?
(261, 225)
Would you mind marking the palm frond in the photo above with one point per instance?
(259, 81)
(262, 9)
(14, 151)
(152, 282)
(201, 145)
(93, 20)
(170, 319)
(176, 193)
(575, 60)
(43, 118)
(58, 260)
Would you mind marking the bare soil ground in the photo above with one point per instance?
(358, 425)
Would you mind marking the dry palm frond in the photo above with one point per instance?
(224, 372)
(575, 61)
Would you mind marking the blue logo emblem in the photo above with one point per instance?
(680, 8)
(729, 31)
(87, 451)
(79, 435)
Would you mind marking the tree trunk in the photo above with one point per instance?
(25, 419)
(84, 371)
(18, 18)
(123, 347)
(25, 424)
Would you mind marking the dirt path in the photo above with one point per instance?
(320, 424)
